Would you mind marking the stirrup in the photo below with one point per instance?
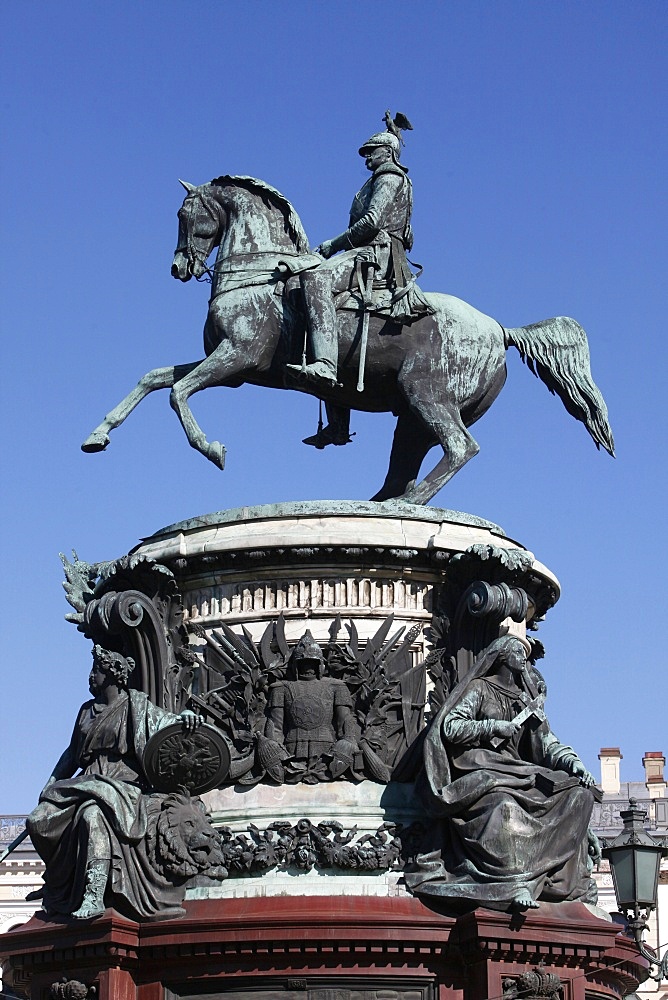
(316, 372)
(326, 436)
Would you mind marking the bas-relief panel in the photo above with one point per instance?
(348, 988)
(10, 828)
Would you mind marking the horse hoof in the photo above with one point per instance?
(412, 495)
(386, 494)
(95, 442)
(216, 454)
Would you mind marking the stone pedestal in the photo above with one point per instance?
(310, 922)
(324, 948)
(356, 563)
(315, 560)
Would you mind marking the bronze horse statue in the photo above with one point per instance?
(438, 375)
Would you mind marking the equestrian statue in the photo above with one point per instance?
(348, 323)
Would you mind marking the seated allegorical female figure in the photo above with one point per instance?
(515, 822)
(105, 836)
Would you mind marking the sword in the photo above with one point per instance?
(367, 294)
(14, 844)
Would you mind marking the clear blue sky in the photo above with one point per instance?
(538, 159)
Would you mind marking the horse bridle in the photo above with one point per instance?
(192, 254)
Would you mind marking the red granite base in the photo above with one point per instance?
(323, 948)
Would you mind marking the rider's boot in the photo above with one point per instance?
(335, 431)
(97, 876)
(321, 321)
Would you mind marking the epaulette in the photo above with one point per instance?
(390, 168)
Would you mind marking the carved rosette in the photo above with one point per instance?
(534, 984)
(71, 989)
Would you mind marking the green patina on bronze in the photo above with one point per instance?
(367, 337)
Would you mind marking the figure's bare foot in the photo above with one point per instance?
(392, 493)
(523, 900)
(88, 910)
(97, 441)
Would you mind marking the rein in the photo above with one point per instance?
(196, 257)
(193, 254)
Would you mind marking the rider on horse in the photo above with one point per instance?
(379, 233)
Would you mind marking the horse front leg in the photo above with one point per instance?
(158, 378)
(223, 364)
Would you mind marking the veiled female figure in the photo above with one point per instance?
(515, 829)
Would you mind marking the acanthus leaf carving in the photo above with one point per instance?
(132, 605)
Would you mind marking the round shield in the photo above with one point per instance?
(175, 758)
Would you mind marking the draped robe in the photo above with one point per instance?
(107, 744)
(500, 834)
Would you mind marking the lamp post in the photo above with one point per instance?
(634, 858)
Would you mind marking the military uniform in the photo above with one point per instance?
(380, 229)
(380, 218)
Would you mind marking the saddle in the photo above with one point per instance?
(404, 303)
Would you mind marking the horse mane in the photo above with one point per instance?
(277, 200)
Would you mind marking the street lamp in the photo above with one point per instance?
(635, 858)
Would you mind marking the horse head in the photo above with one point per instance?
(199, 232)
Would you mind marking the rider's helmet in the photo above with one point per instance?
(390, 139)
(387, 139)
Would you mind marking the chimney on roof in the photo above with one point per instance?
(654, 762)
(610, 758)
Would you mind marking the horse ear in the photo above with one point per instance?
(189, 187)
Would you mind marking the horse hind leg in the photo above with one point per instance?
(412, 440)
(158, 378)
(445, 425)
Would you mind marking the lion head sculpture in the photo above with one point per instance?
(185, 843)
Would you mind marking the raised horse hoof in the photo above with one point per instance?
(95, 442)
(216, 454)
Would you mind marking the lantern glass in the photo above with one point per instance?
(621, 862)
(647, 875)
(635, 871)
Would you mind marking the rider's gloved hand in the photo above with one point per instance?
(325, 249)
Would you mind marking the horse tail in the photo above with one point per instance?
(557, 351)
